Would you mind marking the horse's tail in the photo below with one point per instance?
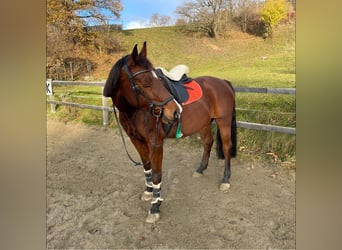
(233, 150)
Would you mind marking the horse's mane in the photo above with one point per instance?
(114, 73)
(113, 77)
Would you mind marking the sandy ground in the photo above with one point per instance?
(93, 197)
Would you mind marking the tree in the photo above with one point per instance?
(203, 15)
(71, 16)
(245, 11)
(67, 36)
(271, 14)
(158, 20)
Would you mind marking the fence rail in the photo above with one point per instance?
(285, 91)
(80, 105)
(61, 83)
(105, 109)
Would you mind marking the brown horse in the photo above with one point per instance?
(149, 114)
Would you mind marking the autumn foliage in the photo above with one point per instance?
(70, 43)
(272, 13)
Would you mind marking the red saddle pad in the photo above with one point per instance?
(194, 91)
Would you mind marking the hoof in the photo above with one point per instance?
(197, 175)
(146, 196)
(152, 218)
(224, 187)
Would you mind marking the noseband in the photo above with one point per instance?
(156, 108)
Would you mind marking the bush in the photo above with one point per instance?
(272, 13)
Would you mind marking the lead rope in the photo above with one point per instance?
(123, 140)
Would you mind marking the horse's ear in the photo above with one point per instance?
(134, 54)
(143, 51)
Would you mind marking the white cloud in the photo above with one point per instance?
(136, 24)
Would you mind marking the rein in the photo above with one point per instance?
(123, 139)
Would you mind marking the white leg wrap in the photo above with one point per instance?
(156, 186)
(148, 177)
(156, 193)
(148, 184)
(156, 199)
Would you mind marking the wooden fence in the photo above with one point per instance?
(105, 109)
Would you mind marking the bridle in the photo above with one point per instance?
(156, 108)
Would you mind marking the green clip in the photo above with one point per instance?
(179, 133)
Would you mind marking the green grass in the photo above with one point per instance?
(238, 60)
(244, 60)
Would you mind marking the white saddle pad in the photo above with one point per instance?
(176, 72)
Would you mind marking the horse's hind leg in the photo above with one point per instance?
(207, 141)
(225, 132)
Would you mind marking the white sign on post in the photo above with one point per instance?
(49, 87)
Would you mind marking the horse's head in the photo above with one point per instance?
(136, 72)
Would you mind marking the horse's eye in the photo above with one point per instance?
(146, 84)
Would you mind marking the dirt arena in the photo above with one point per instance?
(93, 197)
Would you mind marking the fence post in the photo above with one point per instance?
(104, 112)
(49, 92)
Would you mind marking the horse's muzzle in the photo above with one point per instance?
(171, 112)
(176, 116)
(159, 112)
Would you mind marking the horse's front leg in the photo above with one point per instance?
(156, 163)
(147, 195)
(141, 146)
(142, 149)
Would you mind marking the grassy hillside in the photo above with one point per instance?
(243, 59)
(237, 56)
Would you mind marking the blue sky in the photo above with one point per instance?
(137, 13)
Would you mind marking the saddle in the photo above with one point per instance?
(176, 73)
(183, 88)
